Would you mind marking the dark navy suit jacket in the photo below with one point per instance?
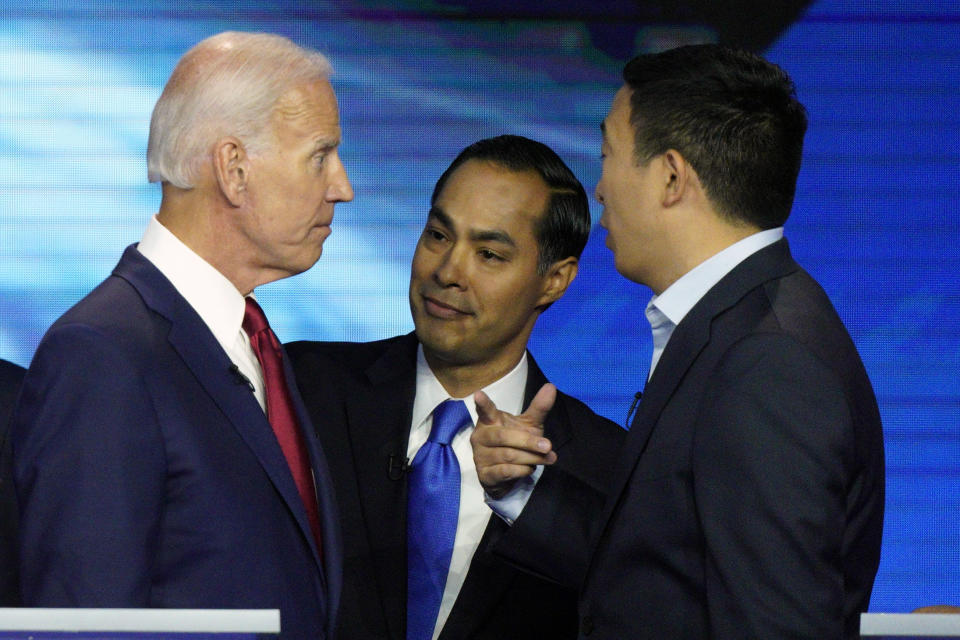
(748, 499)
(148, 475)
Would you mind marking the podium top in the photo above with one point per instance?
(254, 621)
(915, 625)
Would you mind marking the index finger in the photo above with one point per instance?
(487, 412)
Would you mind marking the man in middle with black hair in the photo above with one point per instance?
(507, 224)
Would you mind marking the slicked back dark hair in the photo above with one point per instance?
(562, 230)
(732, 115)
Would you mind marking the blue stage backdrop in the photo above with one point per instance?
(875, 217)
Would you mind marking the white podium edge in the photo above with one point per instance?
(141, 620)
(941, 625)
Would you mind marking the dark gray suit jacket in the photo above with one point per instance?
(10, 377)
(748, 501)
(360, 399)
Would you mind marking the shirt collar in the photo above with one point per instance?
(680, 297)
(209, 292)
(507, 392)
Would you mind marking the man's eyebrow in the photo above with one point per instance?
(492, 235)
(440, 216)
(483, 235)
(329, 142)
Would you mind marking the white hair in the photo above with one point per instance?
(226, 85)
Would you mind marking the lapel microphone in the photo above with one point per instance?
(240, 378)
(633, 407)
(396, 466)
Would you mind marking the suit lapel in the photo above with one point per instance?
(379, 424)
(687, 342)
(203, 355)
(326, 501)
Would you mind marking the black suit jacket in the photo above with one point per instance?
(10, 377)
(748, 502)
(360, 398)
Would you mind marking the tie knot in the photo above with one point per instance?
(254, 320)
(449, 418)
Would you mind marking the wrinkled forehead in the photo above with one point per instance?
(309, 109)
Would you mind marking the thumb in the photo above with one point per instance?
(541, 404)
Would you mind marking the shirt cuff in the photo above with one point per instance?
(508, 507)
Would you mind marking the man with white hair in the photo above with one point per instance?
(162, 456)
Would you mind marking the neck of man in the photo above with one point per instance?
(464, 379)
(196, 222)
(699, 240)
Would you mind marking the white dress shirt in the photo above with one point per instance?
(664, 312)
(212, 296)
(507, 394)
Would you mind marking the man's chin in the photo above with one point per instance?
(311, 258)
(446, 351)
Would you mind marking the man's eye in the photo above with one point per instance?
(488, 255)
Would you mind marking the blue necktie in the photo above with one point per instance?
(433, 506)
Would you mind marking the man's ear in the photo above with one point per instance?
(231, 165)
(558, 277)
(677, 175)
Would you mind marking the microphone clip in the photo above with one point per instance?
(241, 379)
(397, 467)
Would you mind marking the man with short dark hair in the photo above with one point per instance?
(748, 502)
(162, 456)
(507, 224)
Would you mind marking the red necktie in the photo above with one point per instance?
(280, 410)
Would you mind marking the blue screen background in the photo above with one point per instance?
(875, 218)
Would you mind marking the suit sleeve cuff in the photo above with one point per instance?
(508, 507)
